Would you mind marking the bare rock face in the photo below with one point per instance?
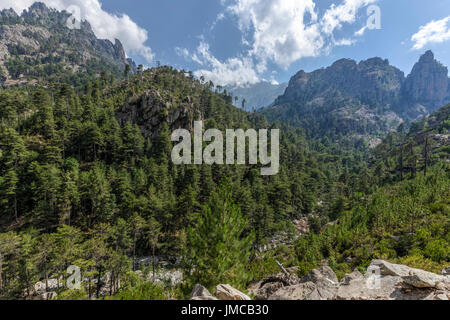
(227, 292)
(29, 36)
(201, 293)
(428, 83)
(151, 110)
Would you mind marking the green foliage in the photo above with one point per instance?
(219, 246)
(142, 291)
(407, 222)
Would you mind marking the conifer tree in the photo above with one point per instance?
(218, 247)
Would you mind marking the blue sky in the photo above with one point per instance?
(250, 40)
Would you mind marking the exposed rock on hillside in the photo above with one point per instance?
(201, 293)
(428, 83)
(39, 44)
(223, 292)
(382, 281)
(366, 99)
(150, 110)
(227, 292)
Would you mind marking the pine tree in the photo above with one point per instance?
(218, 247)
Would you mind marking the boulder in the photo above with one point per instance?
(382, 281)
(297, 292)
(446, 271)
(263, 289)
(370, 287)
(325, 281)
(423, 279)
(389, 269)
(227, 292)
(350, 277)
(201, 293)
(414, 277)
(319, 284)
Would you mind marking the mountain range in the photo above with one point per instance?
(86, 179)
(367, 99)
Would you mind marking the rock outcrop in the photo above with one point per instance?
(382, 281)
(319, 284)
(30, 38)
(428, 83)
(227, 292)
(151, 110)
(361, 99)
(223, 292)
(201, 293)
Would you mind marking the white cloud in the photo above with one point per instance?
(336, 16)
(436, 31)
(282, 32)
(105, 25)
(239, 71)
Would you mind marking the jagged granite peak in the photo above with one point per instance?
(366, 99)
(374, 82)
(8, 13)
(31, 37)
(37, 10)
(428, 84)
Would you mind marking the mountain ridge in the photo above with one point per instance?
(38, 44)
(369, 98)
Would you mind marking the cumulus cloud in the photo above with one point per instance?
(105, 25)
(282, 32)
(436, 31)
(336, 16)
(239, 71)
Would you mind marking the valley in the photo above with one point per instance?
(88, 182)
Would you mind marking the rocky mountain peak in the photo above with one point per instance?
(427, 57)
(30, 38)
(8, 13)
(37, 9)
(428, 83)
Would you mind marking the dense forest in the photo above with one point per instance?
(80, 188)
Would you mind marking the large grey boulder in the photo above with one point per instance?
(326, 283)
(319, 284)
(370, 287)
(300, 291)
(263, 289)
(227, 292)
(348, 278)
(201, 293)
(388, 281)
(414, 277)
